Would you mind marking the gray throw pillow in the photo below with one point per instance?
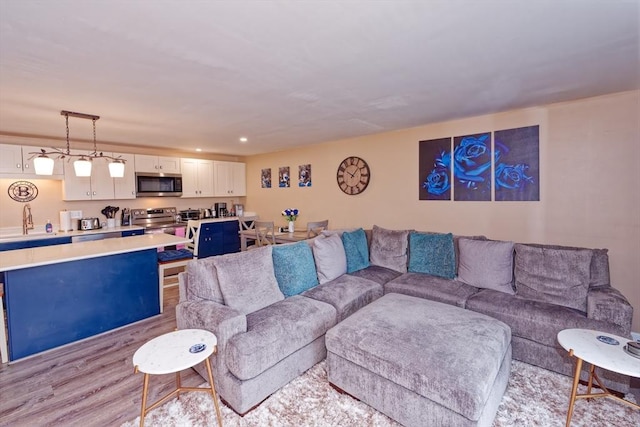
(202, 281)
(330, 258)
(247, 280)
(486, 264)
(389, 248)
(556, 276)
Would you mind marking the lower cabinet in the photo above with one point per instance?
(36, 243)
(218, 238)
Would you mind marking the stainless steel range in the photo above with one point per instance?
(157, 220)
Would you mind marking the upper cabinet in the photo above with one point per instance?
(125, 187)
(157, 164)
(197, 178)
(100, 185)
(16, 161)
(230, 179)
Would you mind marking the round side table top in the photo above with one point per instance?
(174, 351)
(601, 349)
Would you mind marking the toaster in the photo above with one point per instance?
(88, 224)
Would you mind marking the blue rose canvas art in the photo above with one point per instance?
(435, 169)
(472, 167)
(517, 169)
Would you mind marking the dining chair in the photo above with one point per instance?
(315, 228)
(265, 233)
(248, 225)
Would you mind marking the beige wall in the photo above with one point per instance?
(590, 179)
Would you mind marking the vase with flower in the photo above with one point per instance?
(290, 215)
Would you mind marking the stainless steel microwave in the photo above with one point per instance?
(158, 184)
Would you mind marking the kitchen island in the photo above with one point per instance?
(60, 294)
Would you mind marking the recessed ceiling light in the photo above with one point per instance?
(243, 139)
(198, 149)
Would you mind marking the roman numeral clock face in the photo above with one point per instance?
(353, 175)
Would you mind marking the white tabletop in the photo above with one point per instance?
(33, 257)
(174, 351)
(586, 345)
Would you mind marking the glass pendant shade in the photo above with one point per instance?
(116, 169)
(82, 167)
(43, 165)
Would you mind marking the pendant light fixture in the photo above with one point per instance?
(43, 164)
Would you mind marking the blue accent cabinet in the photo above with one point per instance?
(129, 233)
(218, 238)
(35, 243)
(52, 305)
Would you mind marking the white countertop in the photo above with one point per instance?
(5, 238)
(33, 257)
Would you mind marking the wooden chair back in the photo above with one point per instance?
(265, 233)
(315, 228)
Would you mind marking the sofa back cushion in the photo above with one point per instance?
(557, 276)
(294, 268)
(599, 268)
(486, 264)
(389, 248)
(330, 258)
(356, 250)
(247, 280)
(433, 254)
(202, 281)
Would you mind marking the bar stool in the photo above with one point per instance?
(170, 259)
(171, 353)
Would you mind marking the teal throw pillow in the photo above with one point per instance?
(356, 249)
(432, 254)
(294, 268)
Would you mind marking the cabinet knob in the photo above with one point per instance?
(160, 166)
(88, 194)
(94, 193)
(18, 165)
(26, 165)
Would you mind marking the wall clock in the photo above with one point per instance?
(353, 175)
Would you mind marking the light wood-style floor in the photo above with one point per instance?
(90, 383)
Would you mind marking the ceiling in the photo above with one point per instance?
(200, 74)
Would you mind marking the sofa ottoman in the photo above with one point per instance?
(421, 362)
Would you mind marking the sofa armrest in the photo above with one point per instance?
(609, 305)
(223, 321)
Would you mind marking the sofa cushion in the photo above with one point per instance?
(536, 321)
(389, 248)
(330, 258)
(347, 294)
(432, 288)
(294, 268)
(557, 276)
(202, 281)
(486, 264)
(276, 332)
(380, 275)
(599, 268)
(247, 280)
(356, 249)
(432, 254)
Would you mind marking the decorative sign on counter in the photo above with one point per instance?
(23, 191)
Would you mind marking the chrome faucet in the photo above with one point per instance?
(27, 219)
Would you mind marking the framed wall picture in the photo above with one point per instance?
(517, 164)
(284, 180)
(304, 176)
(472, 167)
(265, 178)
(434, 160)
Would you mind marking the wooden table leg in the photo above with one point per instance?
(145, 387)
(574, 390)
(213, 391)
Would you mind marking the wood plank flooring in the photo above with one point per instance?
(90, 383)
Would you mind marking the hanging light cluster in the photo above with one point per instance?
(43, 164)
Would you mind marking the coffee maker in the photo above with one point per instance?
(221, 209)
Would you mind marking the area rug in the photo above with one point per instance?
(534, 397)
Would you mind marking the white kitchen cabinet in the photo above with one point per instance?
(125, 187)
(15, 160)
(229, 179)
(98, 186)
(157, 164)
(197, 178)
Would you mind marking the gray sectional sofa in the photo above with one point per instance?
(270, 307)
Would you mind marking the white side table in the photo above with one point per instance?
(600, 349)
(171, 353)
